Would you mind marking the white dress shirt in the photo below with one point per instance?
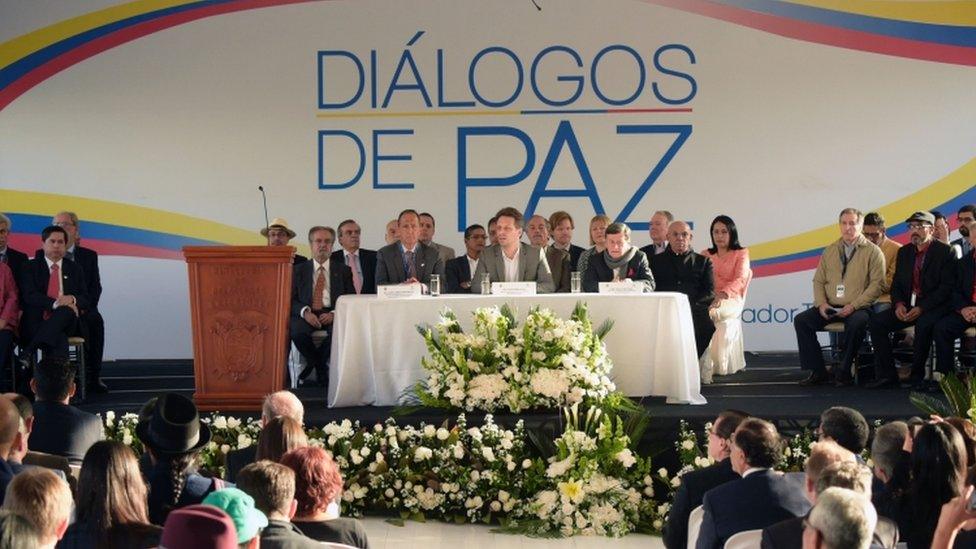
(472, 264)
(512, 265)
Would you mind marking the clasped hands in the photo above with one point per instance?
(318, 320)
(68, 301)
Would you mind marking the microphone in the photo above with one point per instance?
(536, 5)
(264, 198)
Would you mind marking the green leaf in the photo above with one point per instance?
(396, 522)
(929, 404)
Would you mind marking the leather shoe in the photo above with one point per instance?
(815, 378)
(98, 387)
(884, 382)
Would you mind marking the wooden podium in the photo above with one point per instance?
(240, 300)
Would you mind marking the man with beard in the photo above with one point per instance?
(965, 217)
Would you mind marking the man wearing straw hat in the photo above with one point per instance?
(278, 234)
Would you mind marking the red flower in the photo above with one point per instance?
(631, 272)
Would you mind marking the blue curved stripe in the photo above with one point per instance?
(34, 224)
(950, 35)
(19, 68)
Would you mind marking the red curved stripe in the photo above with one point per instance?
(30, 243)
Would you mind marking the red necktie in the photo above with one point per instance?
(974, 279)
(357, 280)
(53, 286)
(317, 303)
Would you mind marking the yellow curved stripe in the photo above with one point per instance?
(941, 12)
(943, 190)
(126, 215)
(24, 45)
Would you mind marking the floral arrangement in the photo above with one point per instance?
(547, 362)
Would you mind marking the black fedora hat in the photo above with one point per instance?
(170, 424)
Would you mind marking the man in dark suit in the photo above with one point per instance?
(961, 313)
(51, 304)
(925, 272)
(279, 234)
(964, 217)
(680, 269)
(459, 270)
(694, 484)
(561, 225)
(762, 496)
(92, 323)
(659, 224)
(59, 428)
(316, 286)
(407, 261)
(829, 466)
(558, 260)
(9, 424)
(362, 262)
(13, 258)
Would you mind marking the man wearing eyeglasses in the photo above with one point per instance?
(875, 232)
(964, 217)
(920, 292)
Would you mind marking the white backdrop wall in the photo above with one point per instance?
(156, 121)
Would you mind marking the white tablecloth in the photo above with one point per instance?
(376, 349)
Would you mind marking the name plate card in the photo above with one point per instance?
(622, 287)
(399, 291)
(513, 288)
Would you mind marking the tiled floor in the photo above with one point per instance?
(438, 535)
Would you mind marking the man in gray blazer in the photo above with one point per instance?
(409, 260)
(558, 260)
(511, 260)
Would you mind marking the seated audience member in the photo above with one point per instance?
(962, 313)
(842, 519)
(558, 260)
(695, 484)
(92, 323)
(968, 432)
(511, 260)
(360, 261)
(845, 426)
(9, 423)
(407, 261)
(199, 527)
(829, 466)
(170, 429)
(20, 457)
(16, 532)
(272, 486)
(658, 229)
(874, 231)
(680, 269)
(111, 507)
(248, 521)
(762, 496)
(619, 261)
(9, 315)
(315, 288)
(52, 294)
(318, 483)
(938, 475)
(9, 256)
(280, 436)
(277, 404)
(391, 232)
(925, 273)
(940, 227)
(562, 227)
(39, 496)
(598, 240)
(458, 271)
(848, 280)
(730, 267)
(965, 218)
(957, 517)
(278, 234)
(427, 238)
(892, 467)
(59, 428)
(492, 229)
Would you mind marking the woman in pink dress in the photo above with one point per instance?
(730, 262)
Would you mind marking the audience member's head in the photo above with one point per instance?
(391, 231)
(475, 239)
(822, 455)
(248, 521)
(5, 226)
(658, 227)
(847, 474)
(10, 427)
(851, 222)
(24, 408)
(17, 532)
(111, 491)
(508, 228)
(54, 241)
(54, 380)
(938, 472)
(492, 230)
(725, 235)
(756, 443)
(317, 479)
(841, 519)
(320, 240)
(598, 230)
(282, 403)
(199, 527)
(846, 427)
(272, 485)
(617, 240)
(277, 232)
(874, 228)
(538, 230)
(680, 236)
(349, 235)
(41, 497)
(720, 435)
(561, 225)
(408, 228)
(427, 227)
(940, 229)
(888, 450)
(280, 436)
(965, 217)
(968, 432)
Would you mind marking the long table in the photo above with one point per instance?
(376, 349)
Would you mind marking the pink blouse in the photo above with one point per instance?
(9, 308)
(732, 272)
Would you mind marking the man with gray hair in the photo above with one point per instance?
(658, 229)
(842, 519)
(892, 464)
(277, 404)
(13, 258)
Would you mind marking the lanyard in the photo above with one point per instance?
(844, 260)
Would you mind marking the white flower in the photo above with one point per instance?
(443, 434)
(220, 422)
(127, 439)
(364, 451)
(488, 453)
(496, 506)
(572, 491)
(357, 459)
(389, 492)
(559, 468)
(422, 453)
(458, 451)
(687, 445)
(662, 472)
(233, 423)
(549, 383)
(243, 441)
(526, 463)
(626, 458)
(475, 476)
(429, 431)
(224, 448)
(503, 496)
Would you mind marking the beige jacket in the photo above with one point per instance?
(865, 279)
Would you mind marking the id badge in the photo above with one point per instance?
(840, 291)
